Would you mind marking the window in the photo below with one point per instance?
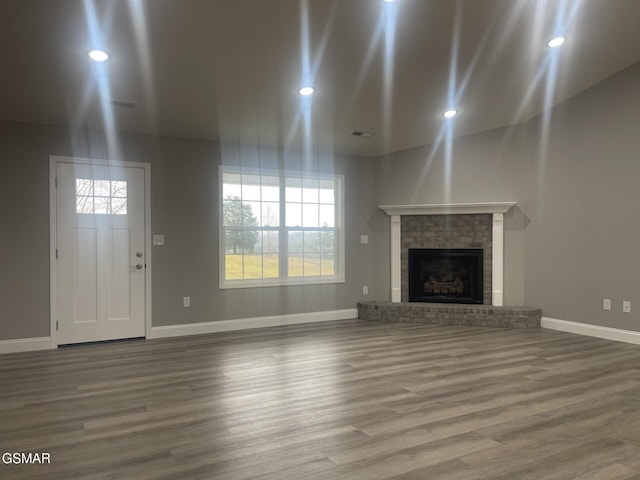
(280, 229)
(101, 196)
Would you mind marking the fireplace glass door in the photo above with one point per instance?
(445, 275)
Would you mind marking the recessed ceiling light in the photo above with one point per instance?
(98, 55)
(388, 1)
(452, 112)
(305, 91)
(555, 42)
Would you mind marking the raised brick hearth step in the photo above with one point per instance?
(451, 314)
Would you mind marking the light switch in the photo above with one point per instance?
(158, 239)
(364, 239)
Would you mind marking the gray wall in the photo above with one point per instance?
(184, 207)
(569, 243)
(573, 238)
(490, 167)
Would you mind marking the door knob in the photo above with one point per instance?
(139, 266)
(139, 254)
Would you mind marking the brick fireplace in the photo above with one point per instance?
(453, 227)
(467, 225)
(440, 232)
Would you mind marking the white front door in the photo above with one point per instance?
(100, 243)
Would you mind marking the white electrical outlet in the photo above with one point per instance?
(364, 239)
(606, 304)
(365, 290)
(626, 306)
(186, 301)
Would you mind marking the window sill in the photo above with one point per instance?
(278, 282)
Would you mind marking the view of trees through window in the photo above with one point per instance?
(278, 227)
(101, 196)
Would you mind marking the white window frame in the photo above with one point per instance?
(339, 275)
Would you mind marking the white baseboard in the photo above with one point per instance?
(25, 344)
(608, 333)
(247, 323)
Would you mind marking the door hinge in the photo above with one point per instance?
(56, 325)
(56, 181)
(56, 253)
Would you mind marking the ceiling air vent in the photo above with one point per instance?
(360, 133)
(121, 103)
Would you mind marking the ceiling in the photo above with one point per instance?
(229, 70)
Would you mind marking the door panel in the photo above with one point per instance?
(119, 273)
(85, 278)
(101, 252)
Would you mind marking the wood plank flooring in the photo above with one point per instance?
(349, 400)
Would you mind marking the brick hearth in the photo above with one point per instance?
(451, 314)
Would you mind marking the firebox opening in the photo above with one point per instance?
(448, 275)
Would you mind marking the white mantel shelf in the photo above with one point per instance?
(448, 208)
(496, 209)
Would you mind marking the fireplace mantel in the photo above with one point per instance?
(448, 208)
(496, 209)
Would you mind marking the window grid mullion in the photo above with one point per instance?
(283, 236)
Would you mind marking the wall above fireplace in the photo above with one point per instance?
(495, 266)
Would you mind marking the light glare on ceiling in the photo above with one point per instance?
(306, 91)
(452, 112)
(98, 55)
(556, 42)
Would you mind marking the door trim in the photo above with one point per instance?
(54, 160)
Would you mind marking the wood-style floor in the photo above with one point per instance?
(340, 400)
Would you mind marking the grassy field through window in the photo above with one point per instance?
(266, 266)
